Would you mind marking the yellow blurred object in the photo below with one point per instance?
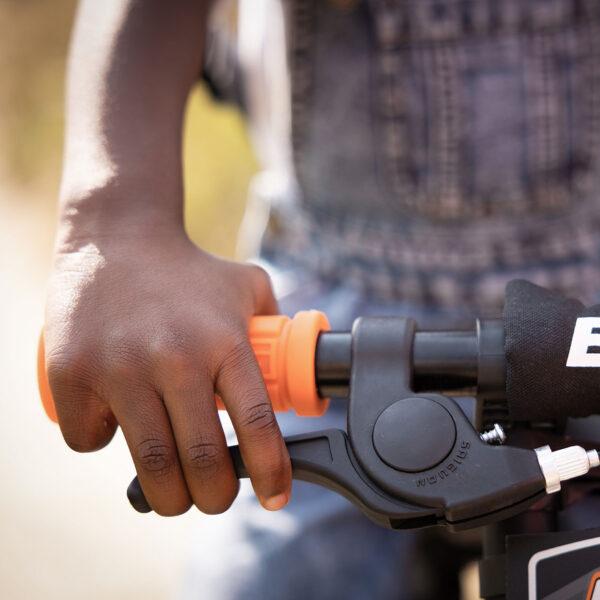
(218, 160)
(218, 166)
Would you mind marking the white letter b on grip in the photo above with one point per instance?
(586, 336)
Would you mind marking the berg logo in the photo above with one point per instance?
(585, 344)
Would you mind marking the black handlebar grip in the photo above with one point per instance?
(542, 383)
(137, 499)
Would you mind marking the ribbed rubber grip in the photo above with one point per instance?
(285, 350)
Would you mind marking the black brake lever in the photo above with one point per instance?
(325, 458)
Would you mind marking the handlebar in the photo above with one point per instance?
(304, 364)
(285, 350)
(410, 456)
(454, 361)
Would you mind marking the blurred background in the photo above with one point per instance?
(66, 529)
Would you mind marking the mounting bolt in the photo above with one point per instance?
(495, 436)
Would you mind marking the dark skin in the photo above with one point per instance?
(143, 327)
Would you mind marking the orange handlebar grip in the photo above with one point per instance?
(285, 350)
(43, 385)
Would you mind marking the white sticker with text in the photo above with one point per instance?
(585, 345)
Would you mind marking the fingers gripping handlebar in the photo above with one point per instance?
(410, 457)
(285, 350)
(303, 363)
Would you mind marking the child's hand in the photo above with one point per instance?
(141, 332)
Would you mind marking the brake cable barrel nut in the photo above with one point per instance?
(567, 463)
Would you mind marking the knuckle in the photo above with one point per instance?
(123, 366)
(155, 458)
(178, 362)
(258, 418)
(261, 281)
(178, 369)
(126, 360)
(204, 458)
(70, 368)
(172, 339)
(87, 423)
(176, 355)
(260, 275)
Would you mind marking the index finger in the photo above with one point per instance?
(240, 385)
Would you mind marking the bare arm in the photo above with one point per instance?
(131, 67)
(142, 327)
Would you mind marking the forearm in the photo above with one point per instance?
(131, 67)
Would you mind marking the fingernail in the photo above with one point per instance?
(275, 502)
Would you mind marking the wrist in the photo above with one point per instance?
(117, 211)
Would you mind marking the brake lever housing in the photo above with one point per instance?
(421, 448)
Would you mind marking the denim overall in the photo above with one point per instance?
(418, 154)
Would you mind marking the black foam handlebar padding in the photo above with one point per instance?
(539, 326)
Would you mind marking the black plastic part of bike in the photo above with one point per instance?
(409, 460)
(539, 326)
(136, 497)
(492, 578)
(491, 373)
(326, 458)
(469, 481)
(453, 361)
